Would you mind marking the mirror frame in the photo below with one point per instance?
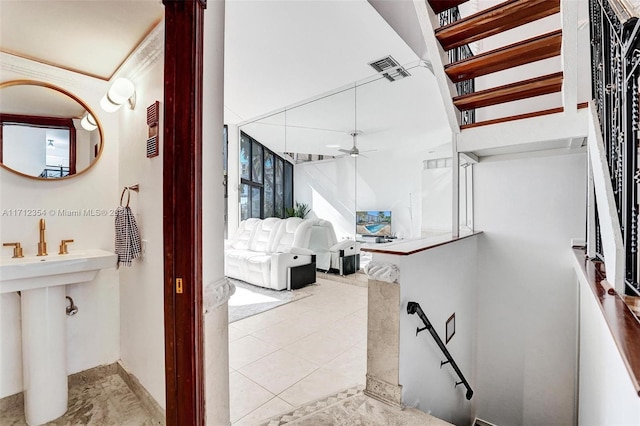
(75, 98)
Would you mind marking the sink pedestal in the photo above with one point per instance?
(44, 355)
(41, 281)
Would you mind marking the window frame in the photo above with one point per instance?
(253, 183)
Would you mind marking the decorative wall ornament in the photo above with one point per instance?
(217, 293)
(381, 271)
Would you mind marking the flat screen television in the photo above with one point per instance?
(373, 223)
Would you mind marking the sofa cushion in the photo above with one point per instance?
(242, 238)
(264, 235)
(284, 238)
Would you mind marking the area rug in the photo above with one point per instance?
(250, 300)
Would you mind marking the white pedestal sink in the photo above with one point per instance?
(41, 281)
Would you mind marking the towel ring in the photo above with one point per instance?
(126, 189)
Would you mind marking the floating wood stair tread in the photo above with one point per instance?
(510, 92)
(442, 5)
(519, 117)
(524, 52)
(494, 20)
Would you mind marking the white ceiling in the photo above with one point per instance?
(90, 37)
(285, 54)
(278, 54)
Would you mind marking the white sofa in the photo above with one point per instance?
(342, 257)
(272, 253)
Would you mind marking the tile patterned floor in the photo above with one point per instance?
(279, 360)
(106, 401)
(298, 353)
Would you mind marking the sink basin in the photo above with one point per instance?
(31, 272)
(41, 281)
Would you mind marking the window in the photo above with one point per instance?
(266, 181)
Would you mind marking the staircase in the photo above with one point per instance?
(494, 20)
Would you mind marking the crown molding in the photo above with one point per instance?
(24, 68)
(145, 55)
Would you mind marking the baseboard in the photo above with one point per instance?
(384, 392)
(92, 375)
(147, 401)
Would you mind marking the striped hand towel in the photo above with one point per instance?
(128, 245)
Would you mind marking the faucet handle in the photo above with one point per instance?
(17, 250)
(63, 246)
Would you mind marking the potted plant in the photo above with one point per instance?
(300, 210)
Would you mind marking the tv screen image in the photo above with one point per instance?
(375, 223)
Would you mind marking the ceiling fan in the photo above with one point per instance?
(354, 151)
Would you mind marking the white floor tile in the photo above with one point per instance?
(351, 363)
(271, 408)
(258, 322)
(319, 384)
(245, 396)
(318, 348)
(235, 333)
(286, 332)
(248, 349)
(278, 371)
(300, 351)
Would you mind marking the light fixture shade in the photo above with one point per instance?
(107, 105)
(88, 123)
(121, 90)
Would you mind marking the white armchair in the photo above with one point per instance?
(332, 255)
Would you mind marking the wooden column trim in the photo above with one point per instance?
(182, 211)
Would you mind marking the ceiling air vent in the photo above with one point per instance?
(389, 68)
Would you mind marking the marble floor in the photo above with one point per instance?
(100, 402)
(297, 353)
(351, 408)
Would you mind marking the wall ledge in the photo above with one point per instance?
(622, 323)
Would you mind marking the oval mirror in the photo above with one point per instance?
(46, 132)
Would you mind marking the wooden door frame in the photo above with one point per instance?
(182, 208)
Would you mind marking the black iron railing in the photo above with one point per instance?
(414, 308)
(615, 59)
(54, 172)
(459, 53)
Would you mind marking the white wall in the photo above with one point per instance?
(141, 286)
(93, 333)
(386, 181)
(529, 209)
(442, 280)
(328, 188)
(437, 196)
(607, 396)
(24, 148)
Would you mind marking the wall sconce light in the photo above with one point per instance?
(88, 123)
(121, 91)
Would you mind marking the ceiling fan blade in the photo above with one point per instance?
(347, 151)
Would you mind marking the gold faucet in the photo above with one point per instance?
(17, 250)
(42, 245)
(63, 246)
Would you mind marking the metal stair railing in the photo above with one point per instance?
(414, 308)
(615, 59)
